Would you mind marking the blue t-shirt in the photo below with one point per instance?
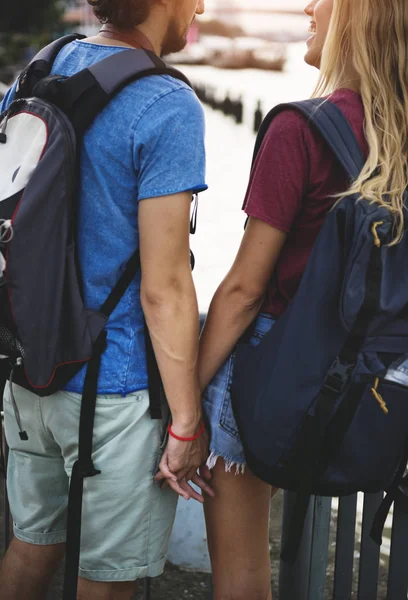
(148, 142)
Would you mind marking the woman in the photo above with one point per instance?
(361, 48)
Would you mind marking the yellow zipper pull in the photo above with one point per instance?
(378, 397)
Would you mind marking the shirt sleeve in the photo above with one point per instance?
(280, 176)
(8, 98)
(169, 149)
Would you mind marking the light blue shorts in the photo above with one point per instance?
(127, 518)
(224, 437)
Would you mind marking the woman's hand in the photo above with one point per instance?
(180, 463)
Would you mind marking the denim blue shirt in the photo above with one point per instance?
(148, 142)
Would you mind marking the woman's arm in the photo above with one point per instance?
(277, 187)
(239, 297)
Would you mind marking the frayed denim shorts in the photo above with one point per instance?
(225, 442)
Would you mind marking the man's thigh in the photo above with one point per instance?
(127, 518)
(37, 483)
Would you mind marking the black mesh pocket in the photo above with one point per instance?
(10, 345)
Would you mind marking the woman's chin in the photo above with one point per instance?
(312, 58)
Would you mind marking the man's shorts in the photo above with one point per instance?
(127, 517)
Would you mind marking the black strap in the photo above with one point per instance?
(307, 452)
(7, 536)
(396, 488)
(332, 124)
(83, 467)
(311, 446)
(156, 392)
(4, 374)
(84, 95)
(154, 378)
(5, 370)
(369, 309)
(129, 273)
(41, 65)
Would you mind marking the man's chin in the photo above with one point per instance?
(174, 46)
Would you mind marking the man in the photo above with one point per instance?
(141, 161)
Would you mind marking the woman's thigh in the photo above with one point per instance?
(238, 535)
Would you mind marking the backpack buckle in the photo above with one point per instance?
(338, 376)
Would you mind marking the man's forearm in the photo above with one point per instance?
(173, 321)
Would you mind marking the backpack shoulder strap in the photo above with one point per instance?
(121, 68)
(332, 124)
(83, 95)
(41, 65)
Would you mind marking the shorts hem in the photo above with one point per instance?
(231, 464)
(40, 539)
(153, 570)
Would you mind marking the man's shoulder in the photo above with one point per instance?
(162, 97)
(153, 88)
(77, 56)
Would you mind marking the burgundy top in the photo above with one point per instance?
(291, 187)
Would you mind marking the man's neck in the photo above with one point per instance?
(153, 35)
(113, 41)
(154, 29)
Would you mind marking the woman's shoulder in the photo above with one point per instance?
(290, 126)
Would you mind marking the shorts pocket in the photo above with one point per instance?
(111, 399)
(227, 419)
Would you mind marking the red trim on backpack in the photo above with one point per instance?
(69, 362)
(7, 260)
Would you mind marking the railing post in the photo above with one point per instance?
(320, 548)
(345, 546)
(294, 579)
(398, 569)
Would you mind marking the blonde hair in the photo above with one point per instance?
(370, 37)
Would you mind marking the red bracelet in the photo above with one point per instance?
(186, 439)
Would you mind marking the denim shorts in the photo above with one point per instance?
(224, 437)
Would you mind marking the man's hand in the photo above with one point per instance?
(180, 464)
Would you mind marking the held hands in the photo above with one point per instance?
(180, 463)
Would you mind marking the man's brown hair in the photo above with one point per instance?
(124, 14)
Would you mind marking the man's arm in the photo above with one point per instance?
(170, 306)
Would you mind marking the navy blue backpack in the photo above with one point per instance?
(314, 411)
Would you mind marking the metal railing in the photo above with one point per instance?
(307, 579)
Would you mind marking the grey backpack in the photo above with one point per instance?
(46, 333)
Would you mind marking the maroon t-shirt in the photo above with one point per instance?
(291, 188)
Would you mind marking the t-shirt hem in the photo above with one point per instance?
(195, 189)
(271, 222)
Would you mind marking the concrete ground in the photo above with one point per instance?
(175, 584)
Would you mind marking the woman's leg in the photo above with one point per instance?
(238, 535)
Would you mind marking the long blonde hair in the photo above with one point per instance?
(371, 37)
